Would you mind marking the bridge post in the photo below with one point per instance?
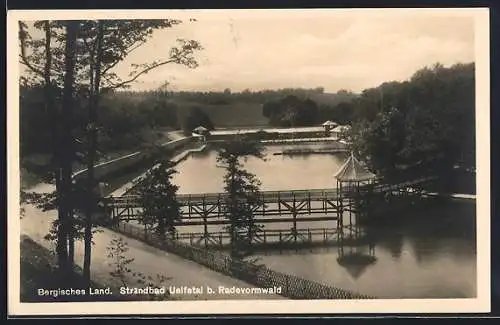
(113, 213)
(263, 204)
(294, 206)
(309, 202)
(279, 203)
(205, 225)
(219, 202)
(340, 207)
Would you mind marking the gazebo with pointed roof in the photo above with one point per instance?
(353, 173)
(351, 176)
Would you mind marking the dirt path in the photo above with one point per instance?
(148, 260)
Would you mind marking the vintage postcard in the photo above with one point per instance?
(248, 161)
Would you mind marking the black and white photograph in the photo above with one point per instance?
(248, 161)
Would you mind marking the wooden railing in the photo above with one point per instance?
(209, 208)
(272, 196)
(266, 196)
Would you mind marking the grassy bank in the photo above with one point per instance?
(39, 271)
(30, 164)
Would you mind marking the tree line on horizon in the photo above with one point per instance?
(443, 93)
(401, 129)
(422, 126)
(125, 114)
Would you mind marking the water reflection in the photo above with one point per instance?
(424, 252)
(430, 253)
(432, 233)
(358, 254)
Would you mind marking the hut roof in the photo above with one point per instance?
(200, 129)
(353, 171)
(329, 123)
(341, 128)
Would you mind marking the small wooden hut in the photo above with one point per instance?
(339, 131)
(201, 132)
(329, 125)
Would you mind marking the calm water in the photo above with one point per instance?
(200, 173)
(423, 253)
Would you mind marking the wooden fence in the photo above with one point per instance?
(293, 287)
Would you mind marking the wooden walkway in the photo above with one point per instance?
(274, 206)
(457, 196)
(209, 208)
(297, 210)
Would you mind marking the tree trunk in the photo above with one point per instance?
(72, 233)
(234, 205)
(71, 248)
(54, 119)
(162, 228)
(67, 139)
(92, 131)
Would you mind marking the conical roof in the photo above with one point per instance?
(353, 171)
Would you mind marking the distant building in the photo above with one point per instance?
(339, 130)
(201, 132)
(329, 125)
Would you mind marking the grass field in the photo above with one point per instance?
(247, 113)
(39, 271)
(147, 137)
(238, 114)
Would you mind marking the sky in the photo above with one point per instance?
(334, 49)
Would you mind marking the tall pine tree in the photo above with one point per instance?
(243, 194)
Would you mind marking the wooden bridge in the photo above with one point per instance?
(273, 207)
(209, 208)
